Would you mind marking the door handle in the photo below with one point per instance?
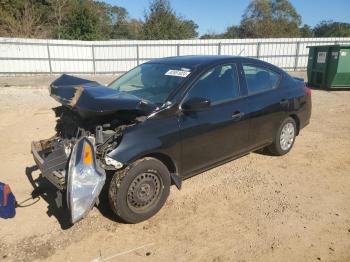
(284, 102)
(237, 115)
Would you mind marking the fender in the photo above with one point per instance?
(139, 141)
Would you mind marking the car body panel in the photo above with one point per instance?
(212, 135)
(140, 140)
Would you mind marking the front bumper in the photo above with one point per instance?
(52, 162)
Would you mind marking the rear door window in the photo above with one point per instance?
(260, 79)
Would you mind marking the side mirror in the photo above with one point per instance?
(195, 104)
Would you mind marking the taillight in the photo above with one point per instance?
(307, 90)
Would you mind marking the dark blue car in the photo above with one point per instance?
(162, 122)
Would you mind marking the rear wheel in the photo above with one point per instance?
(139, 191)
(284, 138)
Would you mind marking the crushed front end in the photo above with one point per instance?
(74, 162)
(90, 125)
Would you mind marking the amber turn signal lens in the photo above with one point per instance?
(87, 154)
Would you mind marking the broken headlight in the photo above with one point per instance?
(85, 179)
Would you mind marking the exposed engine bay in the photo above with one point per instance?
(104, 132)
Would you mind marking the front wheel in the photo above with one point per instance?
(140, 190)
(284, 138)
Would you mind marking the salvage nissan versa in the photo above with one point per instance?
(162, 122)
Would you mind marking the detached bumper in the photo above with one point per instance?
(52, 162)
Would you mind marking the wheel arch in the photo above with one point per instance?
(297, 122)
(171, 166)
(165, 159)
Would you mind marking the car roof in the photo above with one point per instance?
(194, 61)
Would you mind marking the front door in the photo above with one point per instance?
(219, 131)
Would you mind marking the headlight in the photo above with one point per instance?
(85, 179)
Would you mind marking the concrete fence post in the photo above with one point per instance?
(178, 49)
(219, 48)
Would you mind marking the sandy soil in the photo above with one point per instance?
(257, 208)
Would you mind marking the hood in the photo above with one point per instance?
(89, 98)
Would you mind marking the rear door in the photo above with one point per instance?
(220, 131)
(268, 102)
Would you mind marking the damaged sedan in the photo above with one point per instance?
(162, 122)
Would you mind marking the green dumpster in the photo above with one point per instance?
(329, 66)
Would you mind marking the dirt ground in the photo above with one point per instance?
(257, 208)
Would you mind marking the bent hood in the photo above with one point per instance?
(90, 98)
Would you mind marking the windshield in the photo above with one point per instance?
(151, 82)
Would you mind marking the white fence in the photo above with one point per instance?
(39, 56)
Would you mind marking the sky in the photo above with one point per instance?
(217, 15)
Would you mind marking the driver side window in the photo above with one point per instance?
(217, 85)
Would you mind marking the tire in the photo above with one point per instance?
(139, 191)
(284, 138)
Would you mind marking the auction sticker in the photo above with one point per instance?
(179, 73)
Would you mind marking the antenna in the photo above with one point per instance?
(241, 51)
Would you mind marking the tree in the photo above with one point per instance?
(128, 29)
(24, 18)
(161, 22)
(270, 18)
(306, 31)
(231, 32)
(211, 35)
(332, 29)
(82, 22)
(90, 20)
(124, 27)
(60, 10)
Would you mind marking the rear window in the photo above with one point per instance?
(260, 79)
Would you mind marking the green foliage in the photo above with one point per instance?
(90, 20)
(332, 29)
(270, 18)
(132, 29)
(96, 20)
(83, 22)
(26, 18)
(231, 32)
(306, 31)
(161, 22)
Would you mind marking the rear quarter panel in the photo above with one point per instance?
(300, 103)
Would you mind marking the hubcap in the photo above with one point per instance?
(144, 191)
(287, 136)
